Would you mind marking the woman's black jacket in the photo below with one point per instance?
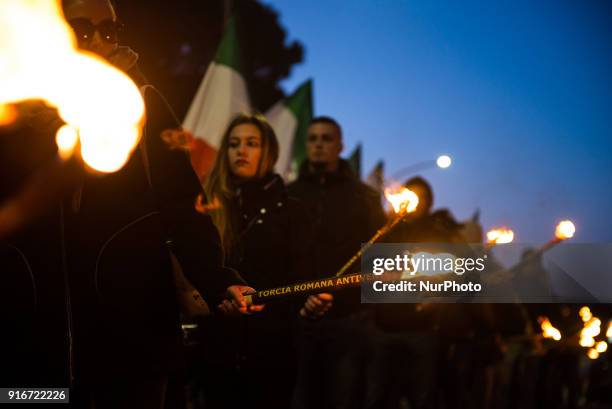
(274, 248)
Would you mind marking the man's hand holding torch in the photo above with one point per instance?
(317, 305)
(236, 303)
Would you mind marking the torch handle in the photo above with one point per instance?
(381, 232)
(322, 285)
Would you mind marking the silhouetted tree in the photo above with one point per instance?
(177, 40)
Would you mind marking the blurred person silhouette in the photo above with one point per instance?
(94, 304)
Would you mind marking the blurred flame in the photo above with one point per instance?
(39, 60)
(593, 354)
(501, 235)
(609, 331)
(586, 342)
(8, 114)
(585, 313)
(591, 329)
(593, 326)
(548, 331)
(402, 199)
(601, 347)
(565, 230)
(66, 139)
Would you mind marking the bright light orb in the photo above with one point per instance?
(444, 161)
(565, 230)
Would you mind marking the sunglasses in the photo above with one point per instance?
(84, 30)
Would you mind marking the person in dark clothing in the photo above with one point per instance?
(407, 357)
(267, 236)
(345, 214)
(90, 300)
(427, 344)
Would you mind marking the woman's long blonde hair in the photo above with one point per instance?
(220, 187)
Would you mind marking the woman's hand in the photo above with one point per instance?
(317, 305)
(236, 304)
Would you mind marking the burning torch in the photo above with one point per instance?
(591, 329)
(498, 235)
(548, 330)
(564, 230)
(404, 202)
(102, 108)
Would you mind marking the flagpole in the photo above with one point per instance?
(227, 11)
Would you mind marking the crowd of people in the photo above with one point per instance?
(89, 288)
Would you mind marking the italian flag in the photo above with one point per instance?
(221, 95)
(290, 118)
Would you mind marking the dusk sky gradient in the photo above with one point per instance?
(518, 93)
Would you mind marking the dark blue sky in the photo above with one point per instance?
(518, 93)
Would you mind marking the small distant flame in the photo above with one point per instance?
(501, 235)
(593, 354)
(591, 329)
(565, 230)
(585, 314)
(548, 331)
(601, 347)
(586, 342)
(402, 199)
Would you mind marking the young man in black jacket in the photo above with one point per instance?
(346, 213)
(88, 286)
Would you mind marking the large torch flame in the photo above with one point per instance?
(548, 331)
(501, 235)
(39, 60)
(565, 230)
(402, 199)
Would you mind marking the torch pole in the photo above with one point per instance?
(327, 284)
(505, 274)
(380, 233)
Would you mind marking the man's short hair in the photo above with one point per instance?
(327, 120)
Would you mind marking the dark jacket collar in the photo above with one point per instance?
(259, 191)
(343, 173)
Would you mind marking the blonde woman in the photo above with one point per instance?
(266, 236)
